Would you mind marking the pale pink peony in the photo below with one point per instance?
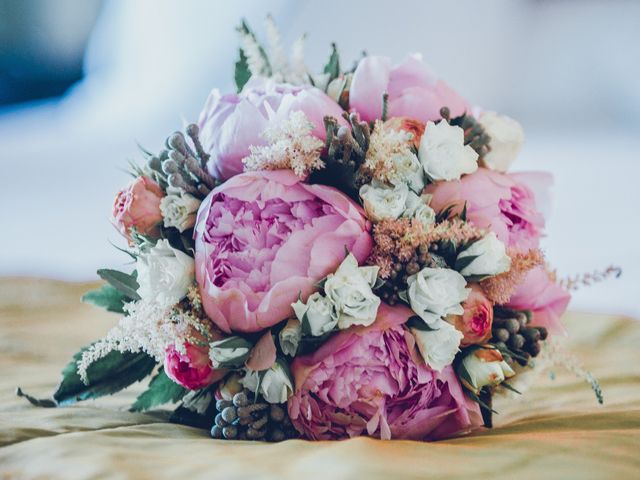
(414, 91)
(371, 381)
(503, 203)
(230, 124)
(475, 323)
(544, 297)
(138, 205)
(263, 238)
(191, 369)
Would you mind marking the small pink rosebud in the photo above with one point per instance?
(191, 369)
(138, 206)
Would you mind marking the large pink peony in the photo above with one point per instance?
(414, 91)
(230, 124)
(263, 238)
(503, 203)
(544, 297)
(371, 381)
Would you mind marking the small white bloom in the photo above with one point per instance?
(438, 347)
(443, 154)
(491, 257)
(437, 292)
(276, 385)
(383, 201)
(338, 86)
(290, 337)
(408, 169)
(179, 210)
(417, 208)
(164, 273)
(230, 386)
(349, 289)
(320, 314)
(482, 367)
(507, 137)
(229, 352)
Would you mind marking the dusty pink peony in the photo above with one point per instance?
(544, 297)
(263, 238)
(230, 124)
(192, 369)
(414, 91)
(371, 381)
(138, 205)
(503, 203)
(475, 323)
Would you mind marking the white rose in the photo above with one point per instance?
(383, 201)
(229, 352)
(437, 292)
(491, 257)
(179, 210)
(164, 274)
(443, 154)
(507, 137)
(417, 208)
(408, 169)
(438, 347)
(290, 337)
(319, 313)
(349, 289)
(484, 366)
(338, 86)
(276, 385)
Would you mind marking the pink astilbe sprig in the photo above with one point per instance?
(500, 288)
(395, 240)
(453, 230)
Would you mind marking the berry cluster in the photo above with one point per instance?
(512, 335)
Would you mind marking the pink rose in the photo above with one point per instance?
(414, 91)
(503, 203)
(263, 238)
(544, 297)
(371, 381)
(475, 323)
(138, 205)
(230, 124)
(192, 369)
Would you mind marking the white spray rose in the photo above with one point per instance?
(437, 292)
(229, 352)
(290, 337)
(438, 347)
(491, 257)
(383, 201)
(507, 137)
(320, 314)
(408, 169)
(164, 274)
(417, 208)
(483, 367)
(179, 210)
(443, 154)
(349, 289)
(276, 385)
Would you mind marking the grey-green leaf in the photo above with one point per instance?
(333, 65)
(107, 297)
(242, 73)
(161, 390)
(123, 282)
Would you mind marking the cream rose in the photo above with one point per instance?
(164, 274)
(229, 352)
(490, 257)
(384, 201)
(439, 346)
(482, 367)
(290, 337)
(443, 154)
(435, 293)
(276, 385)
(408, 169)
(318, 313)
(179, 210)
(417, 208)
(507, 137)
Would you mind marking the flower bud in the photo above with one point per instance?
(483, 366)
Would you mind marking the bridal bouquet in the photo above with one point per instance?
(326, 256)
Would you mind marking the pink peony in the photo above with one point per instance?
(229, 124)
(503, 203)
(192, 369)
(371, 381)
(544, 297)
(475, 323)
(138, 205)
(263, 238)
(414, 91)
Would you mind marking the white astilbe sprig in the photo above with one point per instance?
(258, 65)
(291, 145)
(298, 73)
(277, 54)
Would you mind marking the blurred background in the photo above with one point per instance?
(82, 81)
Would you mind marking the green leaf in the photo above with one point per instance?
(333, 65)
(464, 262)
(509, 387)
(161, 390)
(108, 375)
(419, 324)
(123, 282)
(107, 297)
(463, 215)
(242, 73)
